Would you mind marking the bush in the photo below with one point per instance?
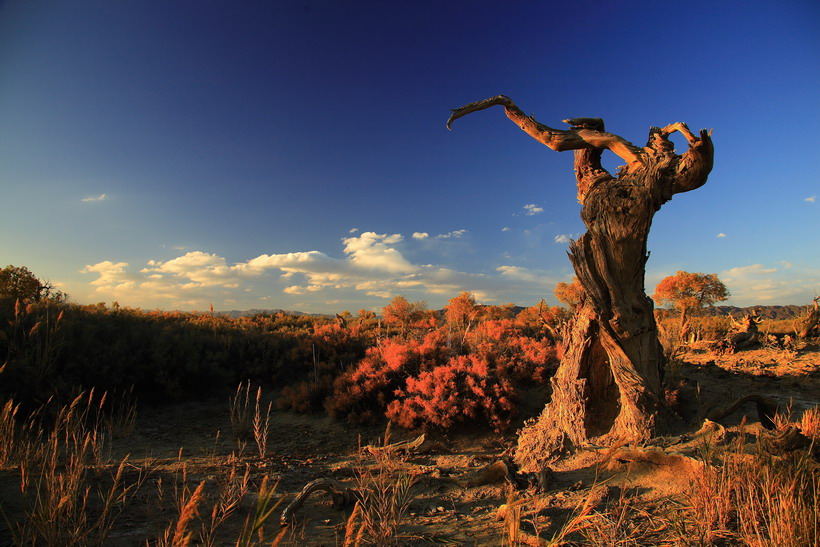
(439, 382)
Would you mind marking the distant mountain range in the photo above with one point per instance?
(250, 313)
(766, 312)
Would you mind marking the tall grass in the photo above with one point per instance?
(58, 465)
(261, 424)
(757, 498)
(384, 496)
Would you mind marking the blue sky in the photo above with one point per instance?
(294, 155)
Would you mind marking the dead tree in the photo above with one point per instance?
(812, 321)
(741, 335)
(608, 386)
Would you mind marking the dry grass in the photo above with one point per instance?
(744, 495)
(384, 497)
(57, 468)
(810, 424)
(73, 493)
(255, 524)
(261, 425)
(240, 411)
(231, 490)
(250, 419)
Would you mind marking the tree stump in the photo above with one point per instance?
(608, 386)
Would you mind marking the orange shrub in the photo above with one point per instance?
(459, 391)
(440, 382)
(362, 392)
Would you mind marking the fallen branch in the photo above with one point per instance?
(419, 445)
(401, 446)
(341, 494)
(787, 440)
(504, 470)
(766, 409)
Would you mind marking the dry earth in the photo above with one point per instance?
(196, 438)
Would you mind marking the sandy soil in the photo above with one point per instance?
(189, 443)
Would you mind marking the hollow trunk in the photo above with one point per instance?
(608, 388)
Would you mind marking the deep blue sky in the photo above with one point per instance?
(169, 154)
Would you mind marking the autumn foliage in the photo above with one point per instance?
(464, 370)
(419, 368)
(689, 292)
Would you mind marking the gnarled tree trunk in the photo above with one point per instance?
(608, 386)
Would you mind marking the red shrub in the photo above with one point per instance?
(459, 391)
(371, 384)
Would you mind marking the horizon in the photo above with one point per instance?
(295, 157)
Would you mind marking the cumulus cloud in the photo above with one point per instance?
(522, 274)
(759, 284)
(565, 238)
(420, 235)
(810, 199)
(373, 251)
(101, 197)
(531, 209)
(371, 265)
(109, 272)
(199, 269)
(752, 269)
(455, 234)
(296, 289)
(380, 294)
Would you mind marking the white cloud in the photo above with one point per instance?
(352, 230)
(565, 238)
(380, 294)
(372, 266)
(296, 289)
(109, 272)
(372, 251)
(101, 197)
(752, 269)
(420, 235)
(810, 199)
(759, 284)
(202, 269)
(721, 235)
(454, 234)
(522, 274)
(531, 209)
(505, 229)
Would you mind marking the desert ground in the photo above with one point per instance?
(191, 451)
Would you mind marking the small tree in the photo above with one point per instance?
(689, 292)
(570, 294)
(19, 283)
(461, 314)
(402, 313)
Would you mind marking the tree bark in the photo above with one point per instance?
(608, 386)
